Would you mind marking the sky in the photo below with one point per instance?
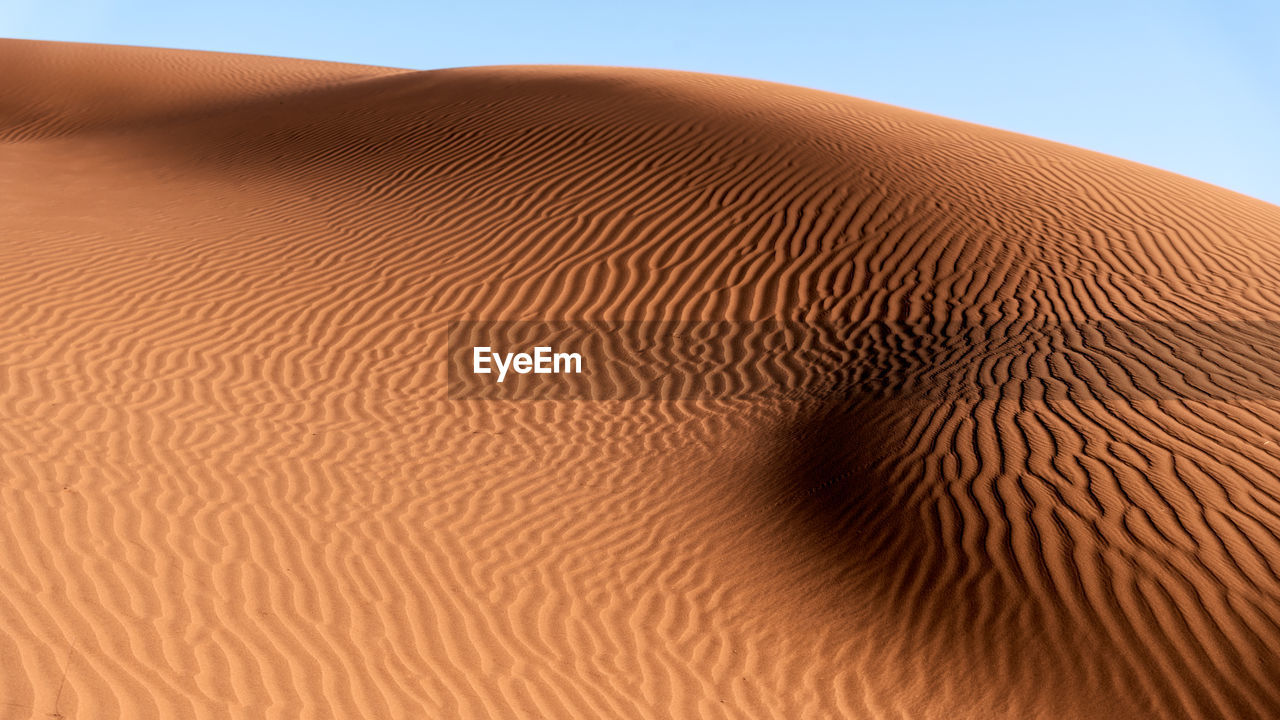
(1191, 86)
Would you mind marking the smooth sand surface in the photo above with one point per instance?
(1032, 475)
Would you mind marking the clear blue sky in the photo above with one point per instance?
(1191, 86)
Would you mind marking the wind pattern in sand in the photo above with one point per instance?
(1031, 470)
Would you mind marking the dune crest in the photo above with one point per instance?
(1023, 461)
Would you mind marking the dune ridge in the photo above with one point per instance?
(1032, 471)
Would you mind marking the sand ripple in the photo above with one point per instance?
(1023, 463)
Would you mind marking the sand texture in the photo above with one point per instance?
(1020, 459)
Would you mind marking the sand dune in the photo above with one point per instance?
(1013, 454)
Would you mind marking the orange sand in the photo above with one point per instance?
(235, 484)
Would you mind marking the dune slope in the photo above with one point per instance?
(1021, 461)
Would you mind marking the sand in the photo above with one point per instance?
(1023, 465)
